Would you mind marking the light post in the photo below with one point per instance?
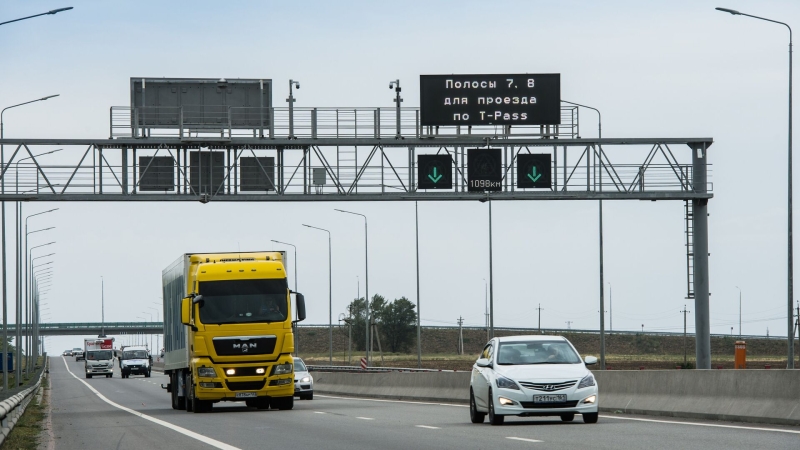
(330, 294)
(26, 280)
(790, 244)
(159, 305)
(366, 284)
(3, 238)
(29, 292)
(491, 275)
(600, 233)
(151, 335)
(51, 12)
(419, 316)
(290, 101)
(486, 307)
(740, 312)
(141, 335)
(610, 309)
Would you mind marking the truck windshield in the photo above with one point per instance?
(134, 354)
(242, 301)
(100, 355)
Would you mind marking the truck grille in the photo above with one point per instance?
(548, 387)
(244, 345)
(245, 385)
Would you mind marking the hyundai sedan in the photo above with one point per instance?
(532, 376)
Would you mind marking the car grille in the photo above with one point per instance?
(245, 385)
(548, 387)
(571, 404)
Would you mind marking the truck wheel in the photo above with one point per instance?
(262, 403)
(188, 392)
(177, 402)
(282, 403)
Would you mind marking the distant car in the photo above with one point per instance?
(532, 376)
(67, 353)
(78, 354)
(303, 381)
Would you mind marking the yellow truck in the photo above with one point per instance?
(228, 330)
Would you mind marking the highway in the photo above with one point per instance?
(141, 417)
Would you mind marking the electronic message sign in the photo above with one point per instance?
(518, 99)
(434, 172)
(533, 171)
(484, 169)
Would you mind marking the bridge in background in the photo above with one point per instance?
(95, 328)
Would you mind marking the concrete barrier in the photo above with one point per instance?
(759, 396)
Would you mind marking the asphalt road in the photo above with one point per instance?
(142, 418)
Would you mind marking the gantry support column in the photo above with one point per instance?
(702, 315)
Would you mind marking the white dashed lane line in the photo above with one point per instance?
(523, 439)
(365, 418)
(427, 427)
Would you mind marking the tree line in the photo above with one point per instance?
(395, 322)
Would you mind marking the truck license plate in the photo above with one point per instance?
(245, 395)
(553, 398)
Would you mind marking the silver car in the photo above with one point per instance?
(303, 381)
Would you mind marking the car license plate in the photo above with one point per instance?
(245, 395)
(553, 398)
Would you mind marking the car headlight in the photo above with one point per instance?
(505, 383)
(306, 380)
(587, 381)
(281, 369)
(207, 372)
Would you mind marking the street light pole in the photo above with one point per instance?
(330, 295)
(600, 232)
(419, 331)
(51, 12)
(740, 311)
(790, 243)
(28, 297)
(366, 283)
(3, 357)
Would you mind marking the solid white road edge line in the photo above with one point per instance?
(696, 424)
(184, 431)
(427, 427)
(523, 439)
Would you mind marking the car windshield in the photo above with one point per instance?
(100, 355)
(80, 350)
(536, 352)
(134, 354)
(299, 366)
(241, 301)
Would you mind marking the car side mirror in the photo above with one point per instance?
(483, 362)
(590, 360)
(300, 301)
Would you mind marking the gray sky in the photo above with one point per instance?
(654, 69)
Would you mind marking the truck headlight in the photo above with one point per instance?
(206, 372)
(587, 381)
(281, 369)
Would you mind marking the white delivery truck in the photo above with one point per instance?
(99, 354)
(137, 360)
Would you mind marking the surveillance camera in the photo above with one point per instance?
(391, 86)
(298, 85)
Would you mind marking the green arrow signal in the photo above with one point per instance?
(533, 176)
(435, 178)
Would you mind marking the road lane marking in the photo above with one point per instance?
(427, 427)
(184, 431)
(392, 401)
(697, 424)
(523, 439)
(318, 412)
(365, 418)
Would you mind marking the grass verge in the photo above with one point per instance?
(26, 433)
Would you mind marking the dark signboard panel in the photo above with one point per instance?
(207, 172)
(434, 172)
(208, 103)
(515, 99)
(156, 173)
(484, 169)
(257, 174)
(534, 171)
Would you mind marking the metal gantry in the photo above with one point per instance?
(357, 154)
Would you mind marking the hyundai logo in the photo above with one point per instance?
(549, 387)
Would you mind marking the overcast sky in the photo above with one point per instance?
(654, 69)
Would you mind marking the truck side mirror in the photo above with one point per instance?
(301, 307)
(186, 309)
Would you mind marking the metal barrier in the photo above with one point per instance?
(358, 369)
(12, 408)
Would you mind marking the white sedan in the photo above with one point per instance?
(532, 376)
(303, 381)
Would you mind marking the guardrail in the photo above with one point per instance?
(358, 369)
(12, 408)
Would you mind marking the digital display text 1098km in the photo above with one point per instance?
(519, 99)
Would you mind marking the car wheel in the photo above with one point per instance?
(590, 417)
(88, 376)
(568, 417)
(475, 416)
(494, 419)
(310, 396)
(147, 375)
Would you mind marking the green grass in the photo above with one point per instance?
(25, 435)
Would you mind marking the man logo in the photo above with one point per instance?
(245, 347)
